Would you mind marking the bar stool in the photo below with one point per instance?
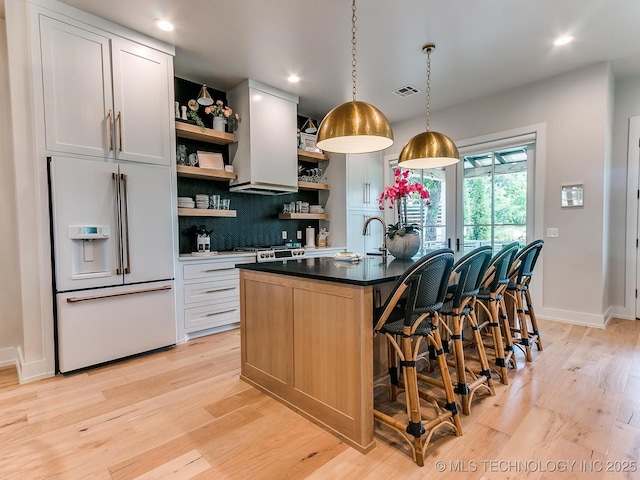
(410, 315)
(459, 308)
(491, 299)
(524, 325)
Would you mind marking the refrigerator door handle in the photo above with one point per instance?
(122, 294)
(123, 176)
(116, 181)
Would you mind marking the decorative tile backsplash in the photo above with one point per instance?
(256, 220)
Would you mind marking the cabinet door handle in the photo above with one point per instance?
(457, 244)
(219, 269)
(213, 314)
(448, 242)
(110, 128)
(364, 192)
(214, 290)
(120, 131)
(368, 192)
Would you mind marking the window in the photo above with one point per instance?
(494, 198)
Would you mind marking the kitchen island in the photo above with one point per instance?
(307, 337)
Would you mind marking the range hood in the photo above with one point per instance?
(265, 156)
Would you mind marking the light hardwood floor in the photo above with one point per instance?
(184, 413)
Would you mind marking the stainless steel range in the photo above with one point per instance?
(272, 253)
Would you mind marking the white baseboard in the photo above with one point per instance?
(576, 318)
(8, 356)
(623, 312)
(211, 331)
(32, 371)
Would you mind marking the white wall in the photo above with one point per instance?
(10, 312)
(574, 108)
(33, 252)
(626, 105)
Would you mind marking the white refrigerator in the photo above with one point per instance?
(111, 227)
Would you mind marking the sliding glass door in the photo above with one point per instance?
(486, 199)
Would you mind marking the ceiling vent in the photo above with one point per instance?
(406, 91)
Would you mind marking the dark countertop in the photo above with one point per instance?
(368, 271)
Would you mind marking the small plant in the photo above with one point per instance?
(193, 115)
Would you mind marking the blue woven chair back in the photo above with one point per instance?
(499, 267)
(425, 283)
(469, 271)
(428, 287)
(525, 261)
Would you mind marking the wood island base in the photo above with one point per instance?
(308, 343)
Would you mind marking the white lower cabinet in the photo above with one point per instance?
(209, 293)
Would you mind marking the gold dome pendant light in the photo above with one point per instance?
(354, 127)
(428, 149)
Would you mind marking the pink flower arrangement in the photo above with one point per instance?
(402, 189)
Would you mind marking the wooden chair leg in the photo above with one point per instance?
(446, 380)
(461, 388)
(410, 379)
(498, 344)
(534, 322)
(506, 334)
(392, 359)
(484, 363)
(522, 321)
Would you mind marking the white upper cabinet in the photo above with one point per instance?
(104, 96)
(77, 89)
(141, 103)
(364, 180)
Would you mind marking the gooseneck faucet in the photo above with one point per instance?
(383, 248)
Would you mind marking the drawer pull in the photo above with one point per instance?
(219, 269)
(213, 314)
(220, 289)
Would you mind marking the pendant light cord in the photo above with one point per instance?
(353, 48)
(428, 49)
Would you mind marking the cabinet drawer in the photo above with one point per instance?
(210, 271)
(212, 315)
(224, 289)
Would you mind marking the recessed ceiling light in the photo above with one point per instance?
(563, 40)
(293, 78)
(164, 25)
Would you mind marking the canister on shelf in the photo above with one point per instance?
(322, 238)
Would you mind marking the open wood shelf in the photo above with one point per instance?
(303, 216)
(206, 173)
(205, 212)
(314, 157)
(194, 132)
(312, 186)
